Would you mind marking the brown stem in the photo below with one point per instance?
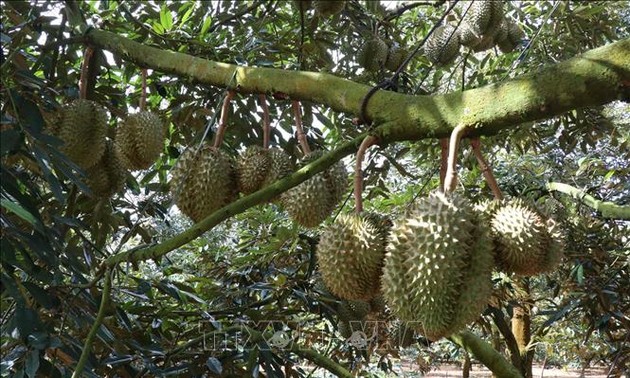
(370, 140)
(298, 125)
(266, 124)
(443, 161)
(143, 94)
(225, 109)
(486, 169)
(85, 72)
(450, 181)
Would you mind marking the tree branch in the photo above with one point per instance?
(486, 354)
(87, 347)
(607, 209)
(236, 207)
(597, 77)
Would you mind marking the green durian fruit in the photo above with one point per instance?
(395, 57)
(353, 310)
(511, 37)
(108, 176)
(485, 16)
(467, 35)
(373, 54)
(253, 167)
(83, 129)
(350, 255)
(140, 140)
(344, 329)
(442, 47)
(203, 181)
(439, 256)
(311, 202)
(280, 167)
(327, 8)
(519, 234)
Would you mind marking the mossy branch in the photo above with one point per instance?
(596, 77)
(236, 207)
(486, 354)
(607, 209)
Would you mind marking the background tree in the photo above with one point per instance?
(124, 284)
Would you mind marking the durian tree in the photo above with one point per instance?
(176, 198)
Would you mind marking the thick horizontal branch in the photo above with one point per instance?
(236, 207)
(607, 209)
(597, 77)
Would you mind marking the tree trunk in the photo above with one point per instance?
(521, 328)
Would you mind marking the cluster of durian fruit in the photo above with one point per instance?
(82, 125)
(483, 26)
(433, 266)
(206, 179)
(376, 54)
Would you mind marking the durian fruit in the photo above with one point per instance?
(350, 255)
(253, 167)
(439, 258)
(327, 8)
(526, 242)
(314, 200)
(373, 54)
(485, 16)
(353, 310)
(140, 140)
(203, 181)
(511, 36)
(395, 57)
(83, 129)
(280, 166)
(442, 46)
(108, 176)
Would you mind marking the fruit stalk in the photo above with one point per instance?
(370, 140)
(486, 169)
(223, 120)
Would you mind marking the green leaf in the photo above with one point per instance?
(166, 18)
(18, 210)
(9, 141)
(205, 27)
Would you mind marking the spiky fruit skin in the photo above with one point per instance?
(350, 255)
(439, 257)
(311, 202)
(107, 177)
(442, 47)
(511, 37)
(373, 54)
(83, 129)
(485, 16)
(395, 58)
(353, 310)
(253, 167)
(280, 166)
(140, 140)
(526, 242)
(327, 8)
(203, 181)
